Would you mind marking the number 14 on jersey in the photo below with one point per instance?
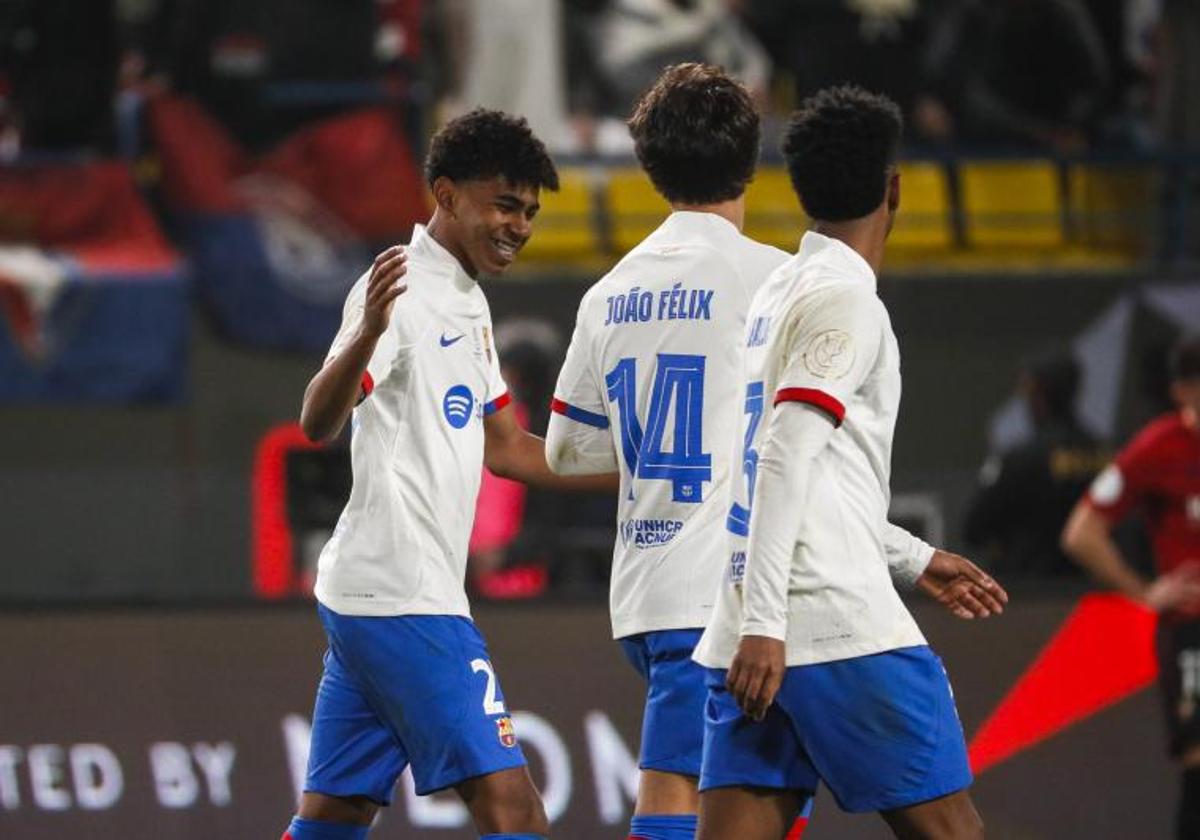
(677, 395)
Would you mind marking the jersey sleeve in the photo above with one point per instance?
(907, 555)
(578, 439)
(831, 341)
(577, 394)
(1124, 483)
(385, 348)
(497, 389)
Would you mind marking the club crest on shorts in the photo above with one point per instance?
(505, 731)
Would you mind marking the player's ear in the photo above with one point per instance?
(445, 193)
(893, 191)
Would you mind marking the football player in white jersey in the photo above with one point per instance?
(408, 680)
(647, 388)
(816, 669)
(652, 386)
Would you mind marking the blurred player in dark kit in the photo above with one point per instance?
(1158, 475)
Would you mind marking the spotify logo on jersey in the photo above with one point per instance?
(457, 406)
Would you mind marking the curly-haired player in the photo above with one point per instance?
(408, 680)
(816, 671)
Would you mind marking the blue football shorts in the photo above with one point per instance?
(673, 722)
(406, 690)
(879, 731)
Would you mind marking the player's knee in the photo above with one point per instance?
(355, 810)
(508, 807)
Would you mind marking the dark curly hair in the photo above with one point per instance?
(839, 147)
(485, 144)
(696, 133)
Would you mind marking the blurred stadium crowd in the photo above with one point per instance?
(1051, 75)
(252, 155)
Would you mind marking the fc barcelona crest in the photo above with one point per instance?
(505, 731)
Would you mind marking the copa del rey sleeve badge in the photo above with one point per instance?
(483, 343)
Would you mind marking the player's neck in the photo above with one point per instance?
(439, 230)
(866, 236)
(732, 211)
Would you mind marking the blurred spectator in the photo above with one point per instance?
(1025, 494)
(1155, 476)
(619, 47)
(873, 43)
(508, 55)
(238, 57)
(60, 59)
(1026, 73)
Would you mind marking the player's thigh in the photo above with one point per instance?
(740, 752)
(746, 813)
(672, 739)
(950, 817)
(881, 730)
(504, 802)
(353, 753)
(431, 679)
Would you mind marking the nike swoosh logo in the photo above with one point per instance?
(446, 342)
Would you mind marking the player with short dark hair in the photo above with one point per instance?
(816, 670)
(408, 680)
(652, 383)
(669, 347)
(1158, 475)
(696, 134)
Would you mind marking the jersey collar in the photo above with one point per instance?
(696, 220)
(431, 252)
(814, 244)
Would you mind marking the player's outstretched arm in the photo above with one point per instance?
(337, 387)
(574, 448)
(953, 581)
(511, 452)
(1087, 539)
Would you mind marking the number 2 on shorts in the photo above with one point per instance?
(491, 706)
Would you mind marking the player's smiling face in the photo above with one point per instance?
(494, 219)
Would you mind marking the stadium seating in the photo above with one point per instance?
(634, 208)
(959, 215)
(773, 213)
(1012, 204)
(925, 201)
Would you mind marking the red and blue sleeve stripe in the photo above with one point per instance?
(818, 399)
(497, 404)
(579, 415)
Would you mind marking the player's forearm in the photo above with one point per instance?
(333, 392)
(1087, 541)
(907, 555)
(576, 449)
(786, 464)
(522, 457)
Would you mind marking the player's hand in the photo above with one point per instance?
(962, 587)
(383, 287)
(1177, 588)
(756, 674)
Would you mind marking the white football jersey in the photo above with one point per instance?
(655, 361)
(400, 546)
(818, 333)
